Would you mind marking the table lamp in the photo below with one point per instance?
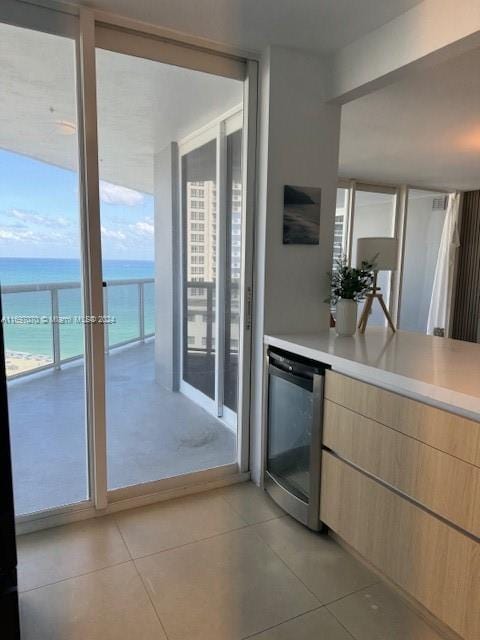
(383, 252)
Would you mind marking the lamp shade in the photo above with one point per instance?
(383, 251)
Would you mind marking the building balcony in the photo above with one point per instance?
(152, 432)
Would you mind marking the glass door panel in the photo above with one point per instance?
(40, 269)
(199, 250)
(159, 256)
(374, 216)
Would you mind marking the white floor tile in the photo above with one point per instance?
(251, 502)
(111, 604)
(63, 552)
(378, 613)
(326, 569)
(315, 625)
(224, 588)
(176, 522)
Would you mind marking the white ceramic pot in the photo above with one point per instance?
(346, 317)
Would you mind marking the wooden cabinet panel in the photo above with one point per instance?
(446, 485)
(440, 429)
(435, 563)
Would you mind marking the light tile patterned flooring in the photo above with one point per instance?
(224, 565)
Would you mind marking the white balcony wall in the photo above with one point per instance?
(167, 267)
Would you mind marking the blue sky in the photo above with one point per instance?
(39, 213)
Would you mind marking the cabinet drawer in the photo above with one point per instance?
(446, 485)
(435, 563)
(446, 431)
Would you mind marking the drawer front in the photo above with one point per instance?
(444, 484)
(435, 563)
(440, 429)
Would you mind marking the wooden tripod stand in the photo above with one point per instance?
(369, 298)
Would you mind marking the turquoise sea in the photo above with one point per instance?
(36, 339)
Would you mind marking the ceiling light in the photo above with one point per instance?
(65, 128)
(470, 141)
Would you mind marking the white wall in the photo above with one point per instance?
(432, 31)
(167, 267)
(298, 145)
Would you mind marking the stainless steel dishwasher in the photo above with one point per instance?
(294, 407)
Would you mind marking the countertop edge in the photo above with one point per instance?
(458, 403)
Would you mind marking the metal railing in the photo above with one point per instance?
(55, 313)
(202, 302)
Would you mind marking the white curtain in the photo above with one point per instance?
(443, 280)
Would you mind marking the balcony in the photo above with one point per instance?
(152, 432)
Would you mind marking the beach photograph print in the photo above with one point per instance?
(301, 215)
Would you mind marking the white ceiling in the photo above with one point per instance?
(142, 105)
(423, 130)
(319, 26)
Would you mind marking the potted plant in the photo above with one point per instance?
(348, 285)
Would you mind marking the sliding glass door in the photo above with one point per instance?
(211, 184)
(171, 218)
(40, 269)
(122, 260)
(199, 252)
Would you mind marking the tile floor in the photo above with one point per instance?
(224, 565)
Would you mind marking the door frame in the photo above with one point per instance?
(85, 26)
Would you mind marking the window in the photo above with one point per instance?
(426, 213)
(341, 224)
(374, 215)
(198, 237)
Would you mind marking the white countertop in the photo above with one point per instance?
(442, 372)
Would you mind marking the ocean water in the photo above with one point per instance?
(36, 339)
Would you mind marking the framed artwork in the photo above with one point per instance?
(301, 215)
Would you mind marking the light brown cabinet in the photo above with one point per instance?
(401, 485)
(442, 483)
(435, 563)
(440, 429)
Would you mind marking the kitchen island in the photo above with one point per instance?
(400, 478)
(438, 371)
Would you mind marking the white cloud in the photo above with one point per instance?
(115, 194)
(143, 227)
(112, 234)
(31, 217)
(34, 237)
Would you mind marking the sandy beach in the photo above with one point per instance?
(18, 362)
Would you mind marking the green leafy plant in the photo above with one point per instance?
(348, 282)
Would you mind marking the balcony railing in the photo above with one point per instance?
(138, 328)
(129, 303)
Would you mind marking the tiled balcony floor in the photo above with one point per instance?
(152, 433)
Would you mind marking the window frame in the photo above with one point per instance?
(401, 192)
